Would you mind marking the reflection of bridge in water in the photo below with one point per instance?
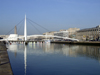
(68, 50)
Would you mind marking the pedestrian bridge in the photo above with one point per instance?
(25, 38)
(15, 37)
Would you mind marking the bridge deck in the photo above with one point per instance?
(24, 41)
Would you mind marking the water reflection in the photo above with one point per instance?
(25, 58)
(49, 58)
(68, 50)
(14, 48)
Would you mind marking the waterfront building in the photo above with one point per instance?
(72, 32)
(64, 33)
(89, 33)
(49, 33)
(4, 36)
(62, 30)
(13, 37)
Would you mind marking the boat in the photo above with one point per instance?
(47, 41)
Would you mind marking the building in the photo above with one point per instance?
(49, 33)
(4, 36)
(72, 32)
(89, 33)
(64, 33)
(13, 37)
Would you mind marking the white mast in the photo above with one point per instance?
(25, 30)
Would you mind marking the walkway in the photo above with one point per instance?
(5, 68)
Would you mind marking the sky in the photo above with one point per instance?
(53, 15)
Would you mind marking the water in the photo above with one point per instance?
(54, 59)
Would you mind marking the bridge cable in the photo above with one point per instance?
(39, 25)
(19, 29)
(34, 27)
(14, 27)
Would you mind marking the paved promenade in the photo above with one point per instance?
(5, 68)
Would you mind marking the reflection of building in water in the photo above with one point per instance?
(19, 48)
(74, 50)
(52, 48)
(68, 50)
(65, 50)
(47, 48)
(14, 48)
(60, 48)
(89, 51)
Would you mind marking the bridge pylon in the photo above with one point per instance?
(25, 31)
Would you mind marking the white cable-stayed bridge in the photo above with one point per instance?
(25, 38)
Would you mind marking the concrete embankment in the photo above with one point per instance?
(96, 43)
(5, 67)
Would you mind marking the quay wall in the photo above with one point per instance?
(5, 67)
(95, 43)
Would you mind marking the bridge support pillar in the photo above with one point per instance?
(26, 43)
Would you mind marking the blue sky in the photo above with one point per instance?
(51, 14)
